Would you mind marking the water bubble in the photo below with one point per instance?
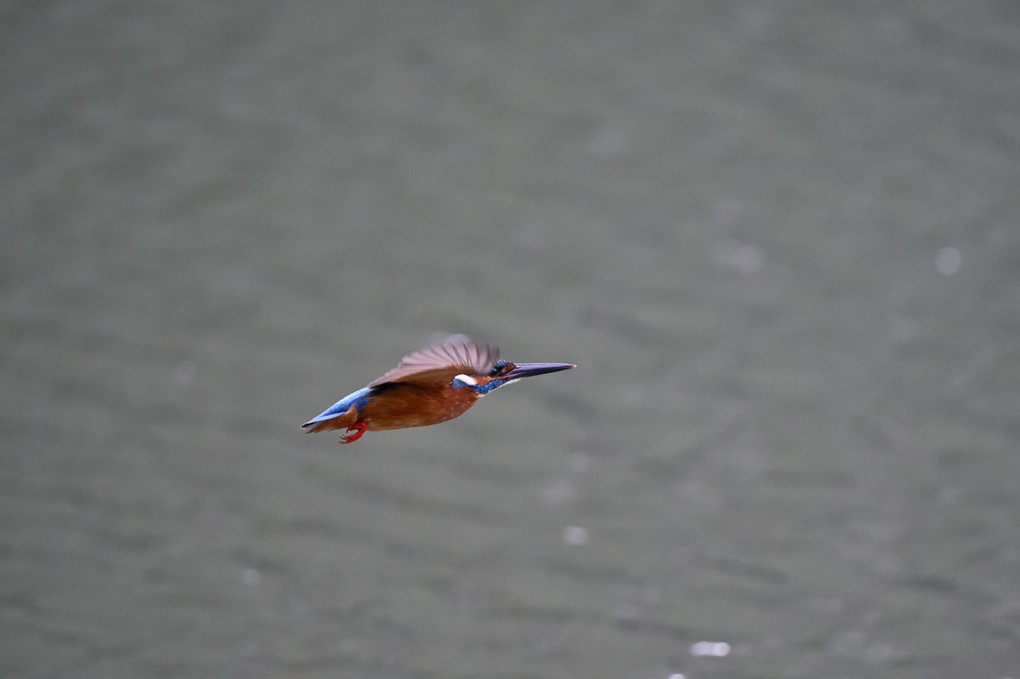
(251, 577)
(713, 649)
(575, 535)
(948, 260)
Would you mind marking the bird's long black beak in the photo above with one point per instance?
(528, 369)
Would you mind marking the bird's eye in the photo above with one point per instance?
(498, 368)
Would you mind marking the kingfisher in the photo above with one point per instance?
(427, 387)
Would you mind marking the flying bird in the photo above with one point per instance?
(427, 387)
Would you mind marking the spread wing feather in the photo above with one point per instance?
(440, 363)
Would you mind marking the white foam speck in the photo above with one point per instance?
(575, 535)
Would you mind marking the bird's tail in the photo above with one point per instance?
(339, 421)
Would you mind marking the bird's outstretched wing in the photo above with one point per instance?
(441, 363)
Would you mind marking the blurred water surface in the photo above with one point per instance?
(780, 240)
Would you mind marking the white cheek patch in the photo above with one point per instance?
(466, 380)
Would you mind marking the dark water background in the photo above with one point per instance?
(780, 239)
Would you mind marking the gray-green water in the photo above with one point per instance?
(780, 239)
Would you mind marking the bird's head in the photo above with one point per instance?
(504, 372)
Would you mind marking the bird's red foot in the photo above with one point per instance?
(354, 432)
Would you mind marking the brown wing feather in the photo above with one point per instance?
(435, 363)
